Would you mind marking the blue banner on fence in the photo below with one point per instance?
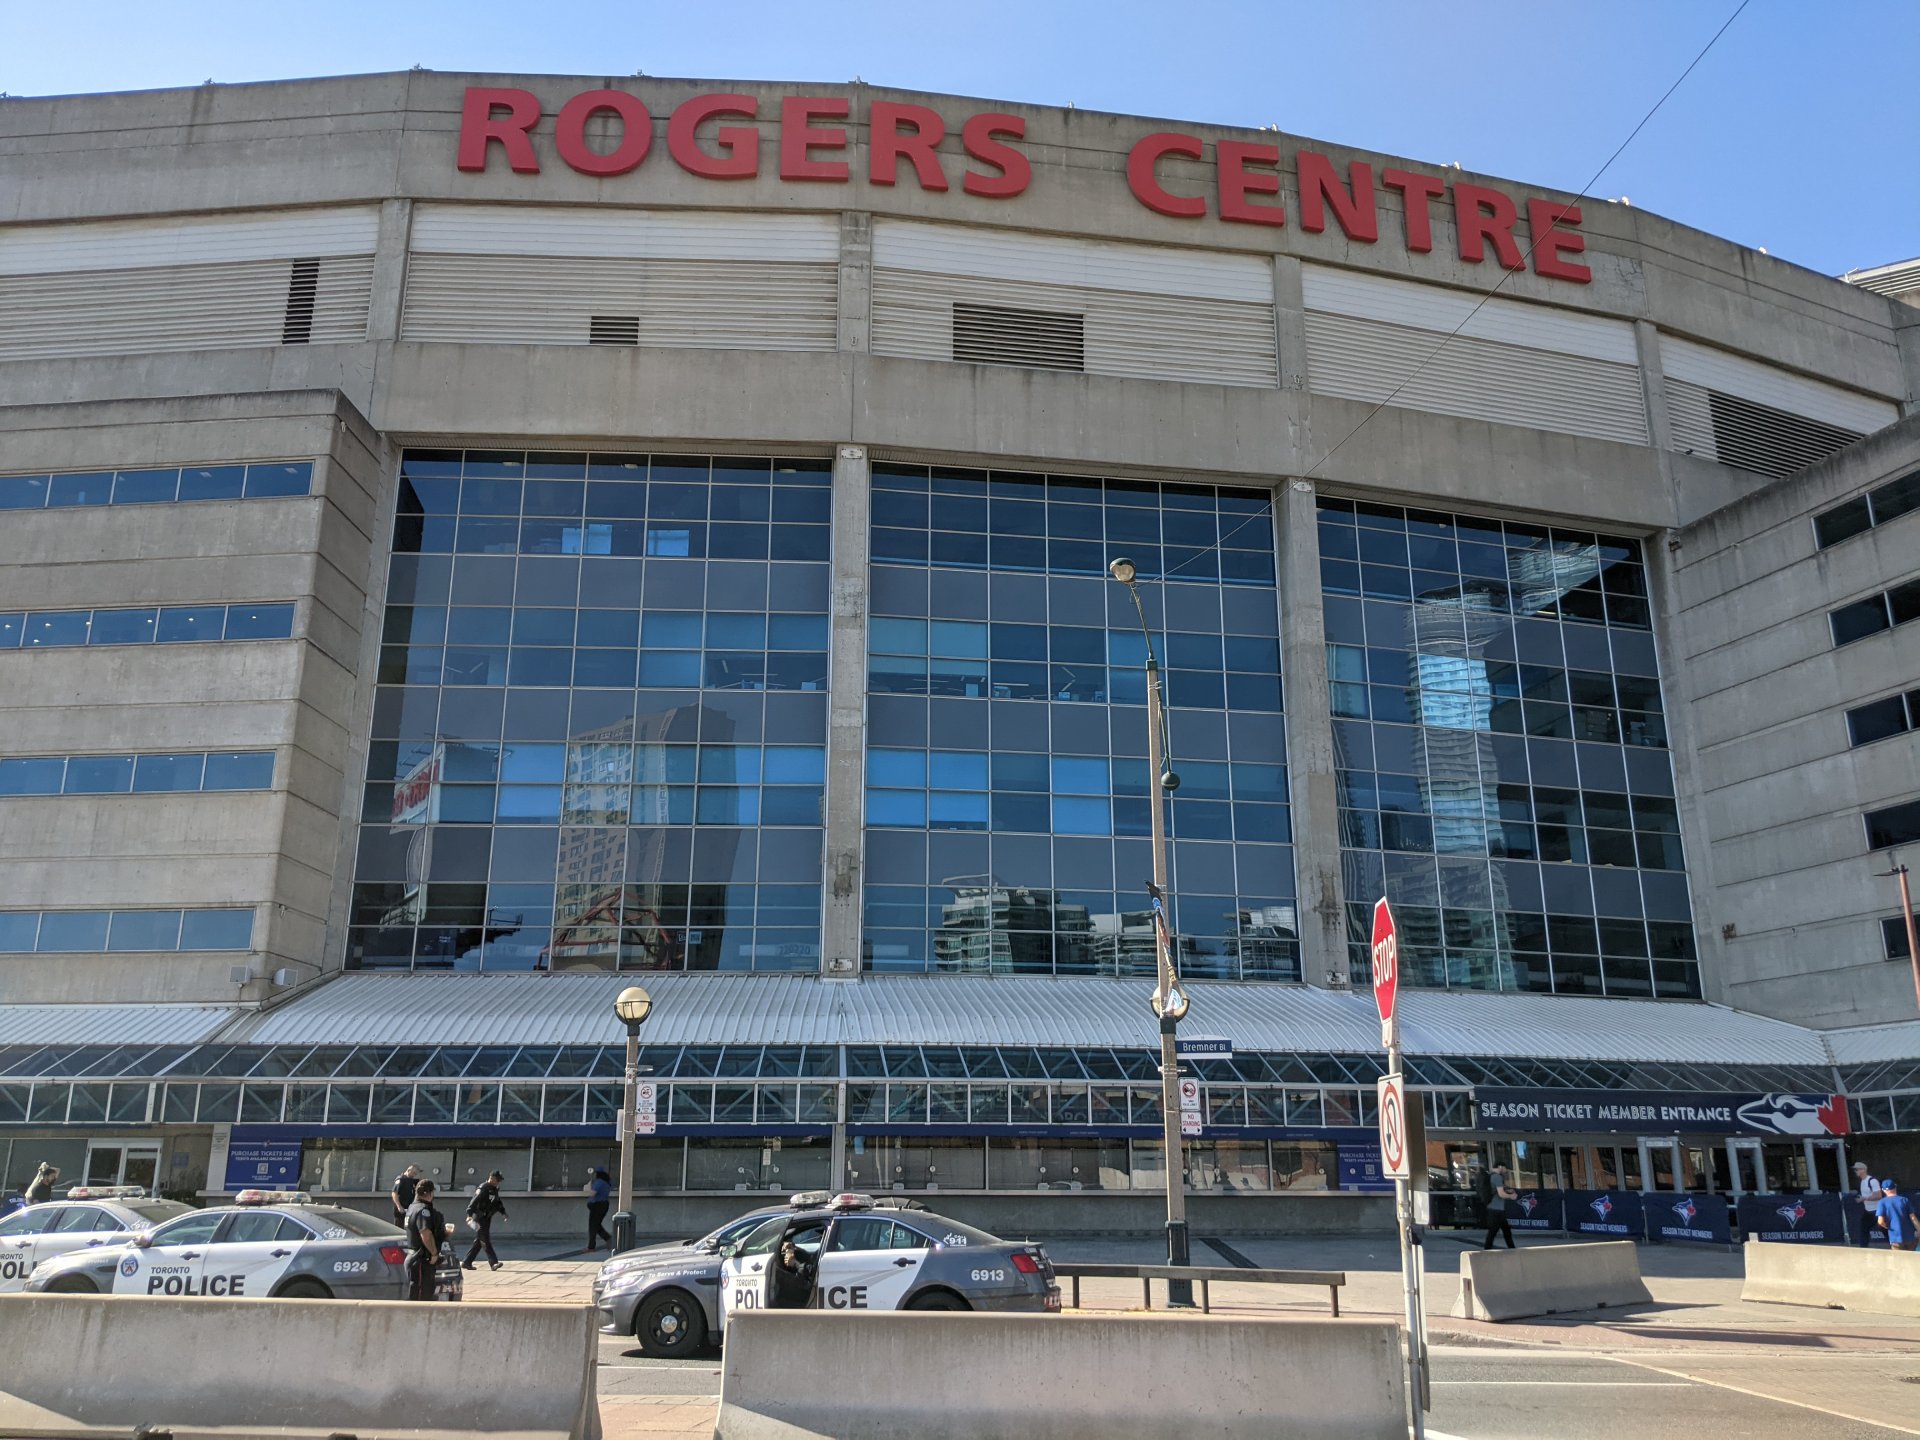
(1705, 1218)
(263, 1165)
(1793, 1219)
(1536, 1210)
(1614, 1213)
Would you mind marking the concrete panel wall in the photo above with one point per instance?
(1765, 693)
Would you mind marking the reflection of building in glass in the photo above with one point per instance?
(990, 928)
(1266, 941)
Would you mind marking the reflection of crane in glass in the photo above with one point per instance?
(584, 934)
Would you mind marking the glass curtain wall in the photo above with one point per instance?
(1007, 769)
(599, 734)
(1503, 769)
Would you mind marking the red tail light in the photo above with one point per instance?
(393, 1254)
(1025, 1263)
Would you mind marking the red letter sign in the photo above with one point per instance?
(798, 135)
(479, 125)
(1386, 970)
(1232, 158)
(1320, 185)
(1418, 190)
(1146, 185)
(570, 132)
(1480, 213)
(980, 136)
(885, 143)
(739, 157)
(1550, 242)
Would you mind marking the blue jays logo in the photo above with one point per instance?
(1602, 1206)
(1793, 1214)
(1529, 1202)
(130, 1266)
(1686, 1210)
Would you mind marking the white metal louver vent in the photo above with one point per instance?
(1511, 363)
(499, 275)
(133, 287)
(1741, 412)
(948, 292)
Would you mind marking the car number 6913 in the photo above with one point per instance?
(998, 1276)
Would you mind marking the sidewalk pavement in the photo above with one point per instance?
(1696, 1313)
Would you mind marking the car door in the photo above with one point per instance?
(251, 1252)
(173, 1259)
(80, 1227)
(743, 1275)
(870, 1262)
(19, 1237)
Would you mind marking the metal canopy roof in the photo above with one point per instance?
(110, 1024)
(1867, 1044)
(718, 1009)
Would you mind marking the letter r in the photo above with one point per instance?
(479, 126)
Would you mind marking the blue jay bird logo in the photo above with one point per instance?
(1686, 1210)
(1602, 1206)
(1793, 1214)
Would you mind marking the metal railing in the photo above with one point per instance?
(1202, 1275)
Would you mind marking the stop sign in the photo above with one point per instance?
(1386, 968)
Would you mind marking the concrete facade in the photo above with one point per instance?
(1767, 796)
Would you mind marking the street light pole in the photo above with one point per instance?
(1169, 997)
(1906, 909)
(632, 1005)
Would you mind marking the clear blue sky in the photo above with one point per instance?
(1800, 132)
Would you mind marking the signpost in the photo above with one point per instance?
(1397, 1152)
(1190, 1116)
(646, 1102)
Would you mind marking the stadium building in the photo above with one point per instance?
(472, 542)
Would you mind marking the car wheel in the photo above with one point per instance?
(671, 1325)
(938, 1300)
(73, 1285)
(303, 1290)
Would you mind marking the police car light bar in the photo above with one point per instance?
(853, 1202)
(810, 1199)
(273, 1197)
(106, 1192)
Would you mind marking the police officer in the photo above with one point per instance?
(486, 1204)
(403, 1193)
(793, 1278)
(426, 1233)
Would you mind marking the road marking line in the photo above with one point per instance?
(1762, 1395)
(1575, 1384)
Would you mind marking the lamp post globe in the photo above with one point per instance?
(633, 1005)
(1122, 569)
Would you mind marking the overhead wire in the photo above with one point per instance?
(1585, 192)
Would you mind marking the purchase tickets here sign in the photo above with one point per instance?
(722, 137)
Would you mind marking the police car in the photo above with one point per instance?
(90, 1217)
(268, 1243)
(856, 1255)
(668, 1296)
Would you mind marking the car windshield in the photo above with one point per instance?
(762, 1241)
(355, 1222)
(733, 1230)
(154, 1211)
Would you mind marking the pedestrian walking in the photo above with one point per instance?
(1498, 1194)
(1869, 1197)
(599, 1195)
(41, 1190)
(404, 1186)
(426, 1232)
(485, 1206)
(1895, 1212)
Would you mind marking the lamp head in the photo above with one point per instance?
(633, 1005)
(1122, 569)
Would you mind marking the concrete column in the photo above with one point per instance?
(1906, 334)
(1310, 760)
(1289, 323)
(856, 280)
(389, 270)
(846, 714)
(1653, 385)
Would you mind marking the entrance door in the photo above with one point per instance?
(1660, 1165)
(115, 1163)
(1826, 1164)
(1749, 1167)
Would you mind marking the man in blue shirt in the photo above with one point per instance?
(599, 1191)
(1896, 1217)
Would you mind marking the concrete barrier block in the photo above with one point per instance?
(1835, 1277)
(91, 1365)
(791, 1375)
(1548, 1280)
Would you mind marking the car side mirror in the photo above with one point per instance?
(727, 1252)
(143, 1239)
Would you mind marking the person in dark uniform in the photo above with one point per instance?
(793, 1278)
(41, 1190)
(599, 1196)
(426, 1232)
(402, 1196)
(481, 1210)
